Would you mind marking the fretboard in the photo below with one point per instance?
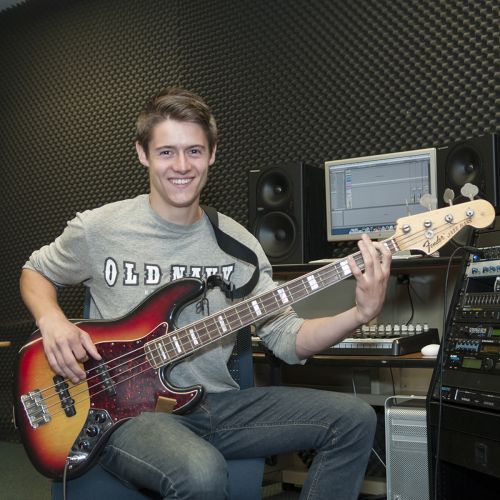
(184, 341)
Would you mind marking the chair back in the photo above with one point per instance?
(240, 363)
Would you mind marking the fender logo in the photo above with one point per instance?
(433, 244)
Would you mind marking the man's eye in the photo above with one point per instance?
(195, 151)
(166, 153)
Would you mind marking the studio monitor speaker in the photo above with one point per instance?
(287, 212)
(406, 448)
(475, 161)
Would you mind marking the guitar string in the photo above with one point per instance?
(179, 333)
(356, 256)
(322, 271)
(62, 401)
(247, 316)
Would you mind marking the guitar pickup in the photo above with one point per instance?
(67, 402)
(107, 382)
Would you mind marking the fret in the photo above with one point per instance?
(274, 300)
(185, 340)
(337, 273)
(233, 320)
(248, 311)
(181, 342)
(300, 292)
(221, 324)
(177, 344)
(161, 351)
(344, 268)
(212, 328)
(150, 355)
(256, 308)
(203, 332)
(283, 297)
(194, 337)
(169, 344)
(311, 281)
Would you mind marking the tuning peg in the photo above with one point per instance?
(469, 191)
(428, 201)
(448, 196)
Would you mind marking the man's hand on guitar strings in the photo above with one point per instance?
(66, 346)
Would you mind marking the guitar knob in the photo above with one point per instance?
(100, 417)
(84, 445)
(92, 430)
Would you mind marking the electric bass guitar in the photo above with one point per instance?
(63, 425)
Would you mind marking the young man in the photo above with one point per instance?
(125, 250)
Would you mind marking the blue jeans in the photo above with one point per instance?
(183, 456)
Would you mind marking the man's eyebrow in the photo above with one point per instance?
(168, 146)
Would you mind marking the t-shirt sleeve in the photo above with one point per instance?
(65, 261)
(278, 331)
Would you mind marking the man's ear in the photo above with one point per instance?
(141, 154)
(212, 156)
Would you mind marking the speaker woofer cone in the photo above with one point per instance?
(464, 166)
(274, 189)
(277, 233)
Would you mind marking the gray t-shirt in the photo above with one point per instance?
(123, 251)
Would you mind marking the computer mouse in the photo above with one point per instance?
(430, 350)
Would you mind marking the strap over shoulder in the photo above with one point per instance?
(236, 249)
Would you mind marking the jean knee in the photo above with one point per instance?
(365, 421)
(207, 473)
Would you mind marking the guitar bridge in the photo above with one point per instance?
(35, 408)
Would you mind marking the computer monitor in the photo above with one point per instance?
(368, 194)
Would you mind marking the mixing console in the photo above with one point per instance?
(386, 340)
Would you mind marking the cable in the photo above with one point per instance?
(65, 479)
(411, 302)
(373, 449)
(392, 379)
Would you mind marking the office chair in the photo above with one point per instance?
(245, 475)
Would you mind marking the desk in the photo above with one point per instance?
(372, 378)
(413, 360)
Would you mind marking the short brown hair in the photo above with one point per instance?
(177, 104)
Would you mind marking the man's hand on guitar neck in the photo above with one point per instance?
(317, 334)
(371, 285)
(65, 344)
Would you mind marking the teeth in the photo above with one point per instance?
(180, 181)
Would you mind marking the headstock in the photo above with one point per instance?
(429, 231)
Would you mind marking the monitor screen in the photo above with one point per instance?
(368, 194)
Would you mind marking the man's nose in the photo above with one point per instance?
(182, 163)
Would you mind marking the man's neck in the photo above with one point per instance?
(178, 215)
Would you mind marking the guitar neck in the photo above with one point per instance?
(184, 341)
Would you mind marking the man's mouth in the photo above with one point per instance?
(181, 182)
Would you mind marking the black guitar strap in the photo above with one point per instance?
(236, 249)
